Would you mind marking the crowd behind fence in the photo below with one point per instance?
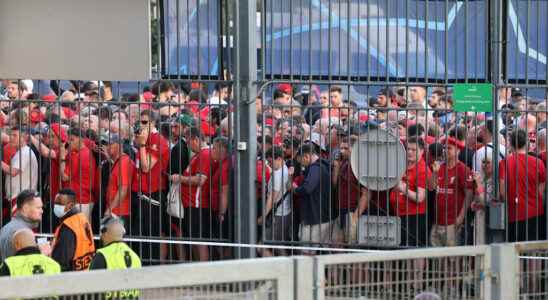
(502, 271)
(161, 157)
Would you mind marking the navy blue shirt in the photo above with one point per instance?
(315, 193)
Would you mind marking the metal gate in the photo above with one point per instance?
(285, 93)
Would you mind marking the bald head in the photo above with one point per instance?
(23, 238)
(528, 123)
(112, 231)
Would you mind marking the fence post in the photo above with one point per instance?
(505, 266)
(304, 277)
(245, 80)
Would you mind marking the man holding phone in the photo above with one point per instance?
(149, 184)
(53, 147)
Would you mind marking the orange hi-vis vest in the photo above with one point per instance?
(85, 248)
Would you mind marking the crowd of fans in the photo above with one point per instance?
(161, 160)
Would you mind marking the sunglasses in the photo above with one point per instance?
(144, 122)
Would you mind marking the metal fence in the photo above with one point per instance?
(502, 271)
(352, 81)
(254, 279)
(532, 271)
(457, 273)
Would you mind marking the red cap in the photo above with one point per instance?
(453, 141)
(363, 118)
(195, 85)
(49, 98)
(148, 96)
(36, 116)
(60, 132)
(285, 88)
(69, 113)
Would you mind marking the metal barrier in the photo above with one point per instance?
(387, 219)
(451, 273)
(501, 271)
(533, 277)
(243, 279)
(329, 79)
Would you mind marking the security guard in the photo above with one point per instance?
(28, 260)
(73, 246)
(115, 254)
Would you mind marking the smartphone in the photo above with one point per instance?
(41, 241)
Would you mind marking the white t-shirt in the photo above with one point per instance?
(278, 182)
(25, 161)
(487, 151)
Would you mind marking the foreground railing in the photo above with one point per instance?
(502, 271)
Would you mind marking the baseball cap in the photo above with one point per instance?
(453, 141)
(184, 120)
(285, 88)
(148, 96)
(516, 92)
(387, 91)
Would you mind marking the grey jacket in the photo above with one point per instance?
(6, 235)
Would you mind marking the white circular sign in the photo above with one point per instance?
(378, 160)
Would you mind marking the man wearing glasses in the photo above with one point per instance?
(149, 185)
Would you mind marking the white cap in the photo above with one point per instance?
(216, 101)
(29, 84)
(318, 139)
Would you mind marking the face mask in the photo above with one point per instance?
(59, 210)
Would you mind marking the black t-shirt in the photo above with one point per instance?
(466, 156)
(179, 158)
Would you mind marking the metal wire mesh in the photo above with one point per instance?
(533, 274)
(457, 277)
(260, 289)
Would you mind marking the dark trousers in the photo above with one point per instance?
(146, 223)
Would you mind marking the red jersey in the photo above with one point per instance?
(55, 182)
(523, 174)
(154, 180)
(415, 177)
(198, 196)
(9, 152)
(450, 192)
(219, 179)
(260, 180)
(121, 175)
(542, 156)
(194, 107)
(80, 167)
(348, 187)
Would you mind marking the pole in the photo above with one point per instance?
(245, 80)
